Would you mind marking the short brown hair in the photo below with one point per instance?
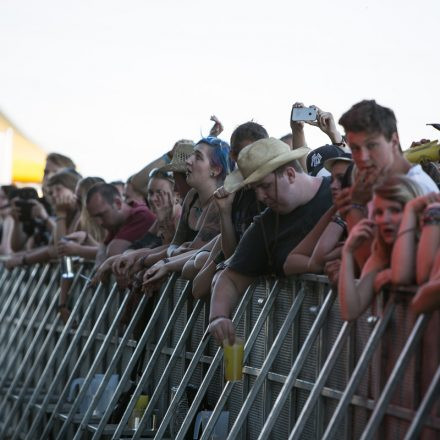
(60, 160)
(370, 117)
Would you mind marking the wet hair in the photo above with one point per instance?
(107, 191)
(398, 188)
(60, 160)
(249, 131)
(370, 117)
(66, 177)
(219, 156)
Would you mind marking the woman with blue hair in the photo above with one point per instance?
(206, 170)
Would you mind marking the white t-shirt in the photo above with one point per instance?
(425, 182)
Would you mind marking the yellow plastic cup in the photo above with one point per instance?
(138, 411)
(233, 359)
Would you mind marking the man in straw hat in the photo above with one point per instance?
(295, 201)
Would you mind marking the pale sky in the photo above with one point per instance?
(114, 84)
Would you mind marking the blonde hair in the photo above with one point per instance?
(398, 188)
(86, 223)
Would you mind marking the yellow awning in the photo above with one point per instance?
(28, 159)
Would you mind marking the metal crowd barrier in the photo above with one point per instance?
(307, 373)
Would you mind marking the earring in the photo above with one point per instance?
(212, 174)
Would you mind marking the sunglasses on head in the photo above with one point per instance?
(157, 172)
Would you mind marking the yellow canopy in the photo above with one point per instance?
(28, 159)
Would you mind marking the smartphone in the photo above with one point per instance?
(303, 114)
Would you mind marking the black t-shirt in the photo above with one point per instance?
(244, 209)
(251, 256)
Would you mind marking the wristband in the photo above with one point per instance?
(360, 207)
(166, 260)
(60, 218)
(214, 318)
(431, 216)
(338, 220)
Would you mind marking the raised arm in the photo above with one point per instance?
(355, 297)
(403, 262)
(429, 243)
(224, 201)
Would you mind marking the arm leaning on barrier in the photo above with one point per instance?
(226, 293)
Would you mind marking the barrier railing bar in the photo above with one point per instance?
(65, 362)
(297, 365)
(268, 361)
(422, 412)
(23, 388)
(208, 376)
(4, 276)
(9, 302)
(30, 371)
(91, 337)
(45, 376)
(26, 335)
(180, 346)
(264, 313)
(149, 368)
(395, 376)
(320, 382)
(21, 322)
(359, 371)
(125, 378)
(10, 278)
(111, 367)
(15, 309)
(97, 359)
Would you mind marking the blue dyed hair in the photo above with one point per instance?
(220, 155)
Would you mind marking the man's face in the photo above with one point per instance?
(273, 191)
(371, 151)
(106, 215)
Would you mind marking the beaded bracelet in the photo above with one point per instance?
(431, 216)
(360, 207)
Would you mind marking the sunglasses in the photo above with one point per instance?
(157, 172)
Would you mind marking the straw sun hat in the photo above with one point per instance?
(181, 151)
(259, 159)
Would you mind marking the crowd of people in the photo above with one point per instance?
(224, 214)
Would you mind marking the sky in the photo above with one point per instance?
(114, 84)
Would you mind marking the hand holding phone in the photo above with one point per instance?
(302, 114)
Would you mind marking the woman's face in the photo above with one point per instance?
(130, 195)
(198, 166)
(57, 191)
(338, 172)
(159, 192)
(387, 214)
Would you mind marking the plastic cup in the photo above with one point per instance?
(233, 359)
(138, 411)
